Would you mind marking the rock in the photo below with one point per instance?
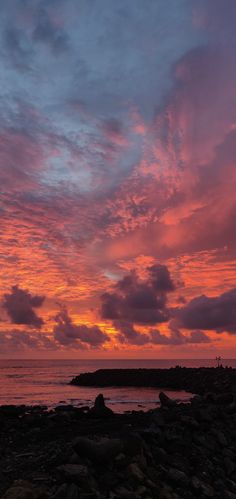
(178, 477)
(196, 484)
(101, 452)
(231, 485)
(167, 493)
(219, 485)
(203, 415)
(133, 443)
(74, 458)
(141, 490)
(89, 495)
(197, 400)
(220, 437)
(201, 487)
(157, 418)
(229, 495)
(121, 461)
(229, 466)
(224, 398)
(207, 490)
(190, 422)
(228, 453)
(66, 491)
(76, 473)
(100, 410)
(12, 411)
(135, 472)
(64, 408)
(22, 489)
(166, 401)
(123, 493)
(19, 492)
(160, 455)
(231, 408)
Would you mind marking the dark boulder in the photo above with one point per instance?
(99, 410)
(166, 401)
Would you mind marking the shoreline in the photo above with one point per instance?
(176, 451)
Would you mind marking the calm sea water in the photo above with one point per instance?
(47, 382)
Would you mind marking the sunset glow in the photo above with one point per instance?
(117, 179)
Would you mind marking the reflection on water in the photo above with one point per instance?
(46, 382)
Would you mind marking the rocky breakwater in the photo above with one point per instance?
(195, 380)
(176, 451)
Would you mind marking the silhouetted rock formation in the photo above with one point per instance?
(166, 401)
(99, 410)
(195, 380)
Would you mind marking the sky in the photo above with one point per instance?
(117, 178)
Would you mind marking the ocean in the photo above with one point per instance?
(46, 382)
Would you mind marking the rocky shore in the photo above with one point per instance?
(195, 380)
(176, 451)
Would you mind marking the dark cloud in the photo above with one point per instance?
(198, 336)
(67, 333)
(175, 338)
(139, 301)
(161, 279)
(135, 301)
(20, 305)
(210, 313)
(128, 334)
